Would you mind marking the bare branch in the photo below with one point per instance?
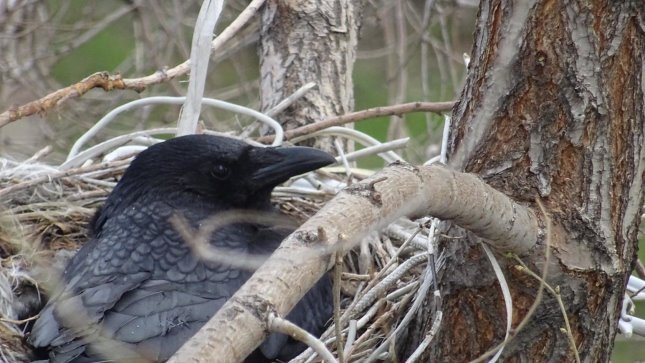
(199, 58)
(60, 174)
(338, 269)
(284, 326)
(364, 115)
(98, 80)
(436, 323)
(400, 189)
(110, 82)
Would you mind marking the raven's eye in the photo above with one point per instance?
(220, 171)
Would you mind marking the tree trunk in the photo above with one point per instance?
(309, 41)
(552, 111)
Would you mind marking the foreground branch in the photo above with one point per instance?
(400, 189)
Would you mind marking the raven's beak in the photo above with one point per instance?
(286, 162)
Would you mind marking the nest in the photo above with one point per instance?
(43, 223)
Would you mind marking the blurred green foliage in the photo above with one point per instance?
(105, 52)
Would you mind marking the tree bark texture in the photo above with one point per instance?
(304, 41)
(552, 110)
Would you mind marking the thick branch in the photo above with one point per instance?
(400, 189)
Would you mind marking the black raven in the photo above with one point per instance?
(137, 289)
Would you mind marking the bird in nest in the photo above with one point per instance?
(137, 291)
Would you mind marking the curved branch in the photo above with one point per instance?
(400, 189)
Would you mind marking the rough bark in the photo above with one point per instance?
(304, 41)
(552, 110)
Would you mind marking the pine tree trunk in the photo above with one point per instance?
(552, 111)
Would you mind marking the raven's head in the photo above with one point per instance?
(218, 170)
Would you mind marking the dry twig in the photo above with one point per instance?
(109, 82)
(364, 115)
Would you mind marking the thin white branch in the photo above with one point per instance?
(354, 135)
(443, 155)
(428, 280)
(444, 138)
(378, 149)
(277, 109)
(341, 157)
(388, 281)
(396, 294)
(277, 324)
(628, 324)
(280, 107)
(363, 320)
(161, 100)
(351, 336)
(78, 159)
(428, 338)
(142, 137)
(394, 230)
(508, 300)
(247, 14)
(199, 57)
(636, 286)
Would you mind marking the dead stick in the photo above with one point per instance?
(364, 115)
(110, 82)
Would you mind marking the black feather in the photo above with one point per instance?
(136, 289)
